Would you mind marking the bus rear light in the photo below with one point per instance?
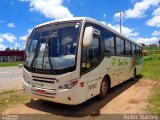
(68, 85)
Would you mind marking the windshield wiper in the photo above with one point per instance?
(52, 69)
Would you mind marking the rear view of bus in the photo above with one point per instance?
(50, 71)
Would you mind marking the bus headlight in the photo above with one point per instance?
(68, 85)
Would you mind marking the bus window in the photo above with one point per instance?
(127, 47)
(133, 48)
(137, 50)
(122, 46)
(91, 55)
(119, 45)
(140, 51)
(109, 42)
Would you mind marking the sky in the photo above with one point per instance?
(140, 18)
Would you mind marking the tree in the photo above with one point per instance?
(8, 49)
(17, 49)
(143, 44)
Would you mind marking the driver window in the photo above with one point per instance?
(91, 55)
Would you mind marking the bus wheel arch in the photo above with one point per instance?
(105, 81)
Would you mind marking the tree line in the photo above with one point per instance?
(12, 49)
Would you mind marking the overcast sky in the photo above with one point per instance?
(141, 18)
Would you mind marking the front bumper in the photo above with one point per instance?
(59, 96)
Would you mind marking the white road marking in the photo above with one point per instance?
(4, 72)
(9, 72)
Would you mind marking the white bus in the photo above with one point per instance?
(72, 60)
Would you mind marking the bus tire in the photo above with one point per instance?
(134, 75)
(103, 88)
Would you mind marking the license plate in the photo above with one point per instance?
(41, 91)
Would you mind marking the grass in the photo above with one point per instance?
(151, 48)
(11, 97)
(154, 100)
(151, 71)
(9, 64)
(7, 92)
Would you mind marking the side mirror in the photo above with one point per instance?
(88, 35)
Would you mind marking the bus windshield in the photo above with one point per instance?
(53, 46)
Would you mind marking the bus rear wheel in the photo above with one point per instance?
(103, 88)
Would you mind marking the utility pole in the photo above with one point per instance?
(120, 21)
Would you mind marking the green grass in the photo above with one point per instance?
(151, 48)
(9, 64)
(154, 101)
(151, 69)
(7, 92)
(11, 97)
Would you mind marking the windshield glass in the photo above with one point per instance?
(53, 46)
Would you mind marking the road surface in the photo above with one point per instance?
(10, 78)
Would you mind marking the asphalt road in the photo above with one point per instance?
(10, 78)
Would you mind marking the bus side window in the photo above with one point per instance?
(140, 51)
(109, 43)
(133, 49)
(122, 46)
(119, 45)
(137, 50)
(127, 48)
(91, 55)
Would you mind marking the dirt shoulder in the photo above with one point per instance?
(127, 98)
(134, 100)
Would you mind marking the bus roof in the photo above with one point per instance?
(87, 19)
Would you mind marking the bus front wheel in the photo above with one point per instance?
(103, 88)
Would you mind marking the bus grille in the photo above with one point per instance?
(43, 79)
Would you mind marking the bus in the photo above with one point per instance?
(70, 61)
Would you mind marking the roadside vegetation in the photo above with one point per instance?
(11, 97)
(10, 64)
(151, 71)
(152, 49)
(151, 67)
(154, 100)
